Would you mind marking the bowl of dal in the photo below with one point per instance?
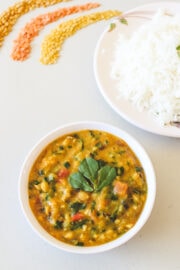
(87, 187)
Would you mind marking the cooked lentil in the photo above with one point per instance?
(22, 45)
(99, 162)
(10, 16)
(51, 45)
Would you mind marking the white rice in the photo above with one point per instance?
(146, 66)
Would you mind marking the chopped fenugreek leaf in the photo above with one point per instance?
(58, 225)
(138, 169)
(67, 164)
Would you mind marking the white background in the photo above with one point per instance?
(36, 99)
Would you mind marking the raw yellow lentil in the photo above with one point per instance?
(52, 43)
(10, 16)
(22, 45)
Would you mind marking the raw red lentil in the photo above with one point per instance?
(22, 45)
(51, 46)
(10, 16)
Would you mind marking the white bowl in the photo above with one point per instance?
(133, 144)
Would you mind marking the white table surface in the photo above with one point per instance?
(36, 99)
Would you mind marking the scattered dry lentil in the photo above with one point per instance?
(51, 45)
(10, 16)
(22, 45)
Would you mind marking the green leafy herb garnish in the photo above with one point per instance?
(105, 176)
(89, 168)
(78, 181)
(178, 50)
(91, 177)
(123, 20)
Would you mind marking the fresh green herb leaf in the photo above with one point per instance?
(123, 20)
(89, 168)
(105, 176)
(91, 176)
(178, 50)
(78, 181)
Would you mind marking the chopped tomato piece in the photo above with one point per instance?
(120, 188)
(77, 217)
(120, 143)
(63, 173)
(38, 204)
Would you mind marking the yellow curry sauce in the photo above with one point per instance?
(87, 188)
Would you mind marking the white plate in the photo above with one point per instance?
(102, 66)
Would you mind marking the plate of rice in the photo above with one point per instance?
(137, 67)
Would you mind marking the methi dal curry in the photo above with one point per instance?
(87, 188)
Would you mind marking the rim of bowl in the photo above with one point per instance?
(139, 151)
